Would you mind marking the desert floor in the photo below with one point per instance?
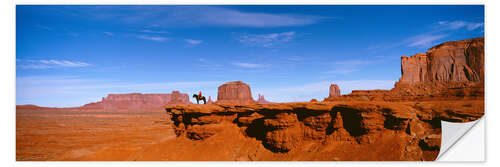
(77, 135)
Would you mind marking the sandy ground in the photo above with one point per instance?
(84, 135)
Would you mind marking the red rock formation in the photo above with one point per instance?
(261, 100)
(449, 70)
(412, 130)
(235, 92)
(452, 70)
(210, 101)
(334, 90)
(134, 101)
(413, 69)
(456, 61)
(28, 106)
(177, 97)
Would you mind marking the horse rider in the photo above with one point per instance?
(199, 95)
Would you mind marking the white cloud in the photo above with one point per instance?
(109, 33)
(172, 16)
(342, 71)
(73, 34)
(45, 64)
(193, 42)
(44, 27)
(454, 25)
(441, 31)
(153, 38)
(266, 40)
(228, 17)
(424, 40)
(154, 32)
(295, 58)
(353, 62)
(251, 65)
(437, 32)
(349, 66)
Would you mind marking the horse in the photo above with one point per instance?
(199, 98)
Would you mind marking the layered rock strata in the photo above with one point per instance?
(456, 61)
(412, 128)
(448, 71)
(235, 92)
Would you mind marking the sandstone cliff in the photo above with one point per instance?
(449, 71)
(456, 61)
(135, 101)
(325, 131)
(235, 92)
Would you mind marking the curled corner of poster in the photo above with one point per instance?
(462, 142)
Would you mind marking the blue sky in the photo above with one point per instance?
(73, 55)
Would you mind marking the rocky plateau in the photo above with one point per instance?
(444, 84)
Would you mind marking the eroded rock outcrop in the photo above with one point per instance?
(235, 92)
(449, 71)
(134, 101)
(456, 61)
(404, 123)
(412, 130)
(262, 100)
(210, 101)
(334, 91)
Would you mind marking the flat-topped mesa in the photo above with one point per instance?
(134, 101)
(177, 97)
(235, 92)
(450, 62)
(334, 91)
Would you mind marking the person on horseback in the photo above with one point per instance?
(199, 97)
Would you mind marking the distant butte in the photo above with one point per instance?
(135, 101)
(235, 92)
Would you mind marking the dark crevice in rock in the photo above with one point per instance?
(352, 120)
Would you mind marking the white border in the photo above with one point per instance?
(7, 65)
(268, 2)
